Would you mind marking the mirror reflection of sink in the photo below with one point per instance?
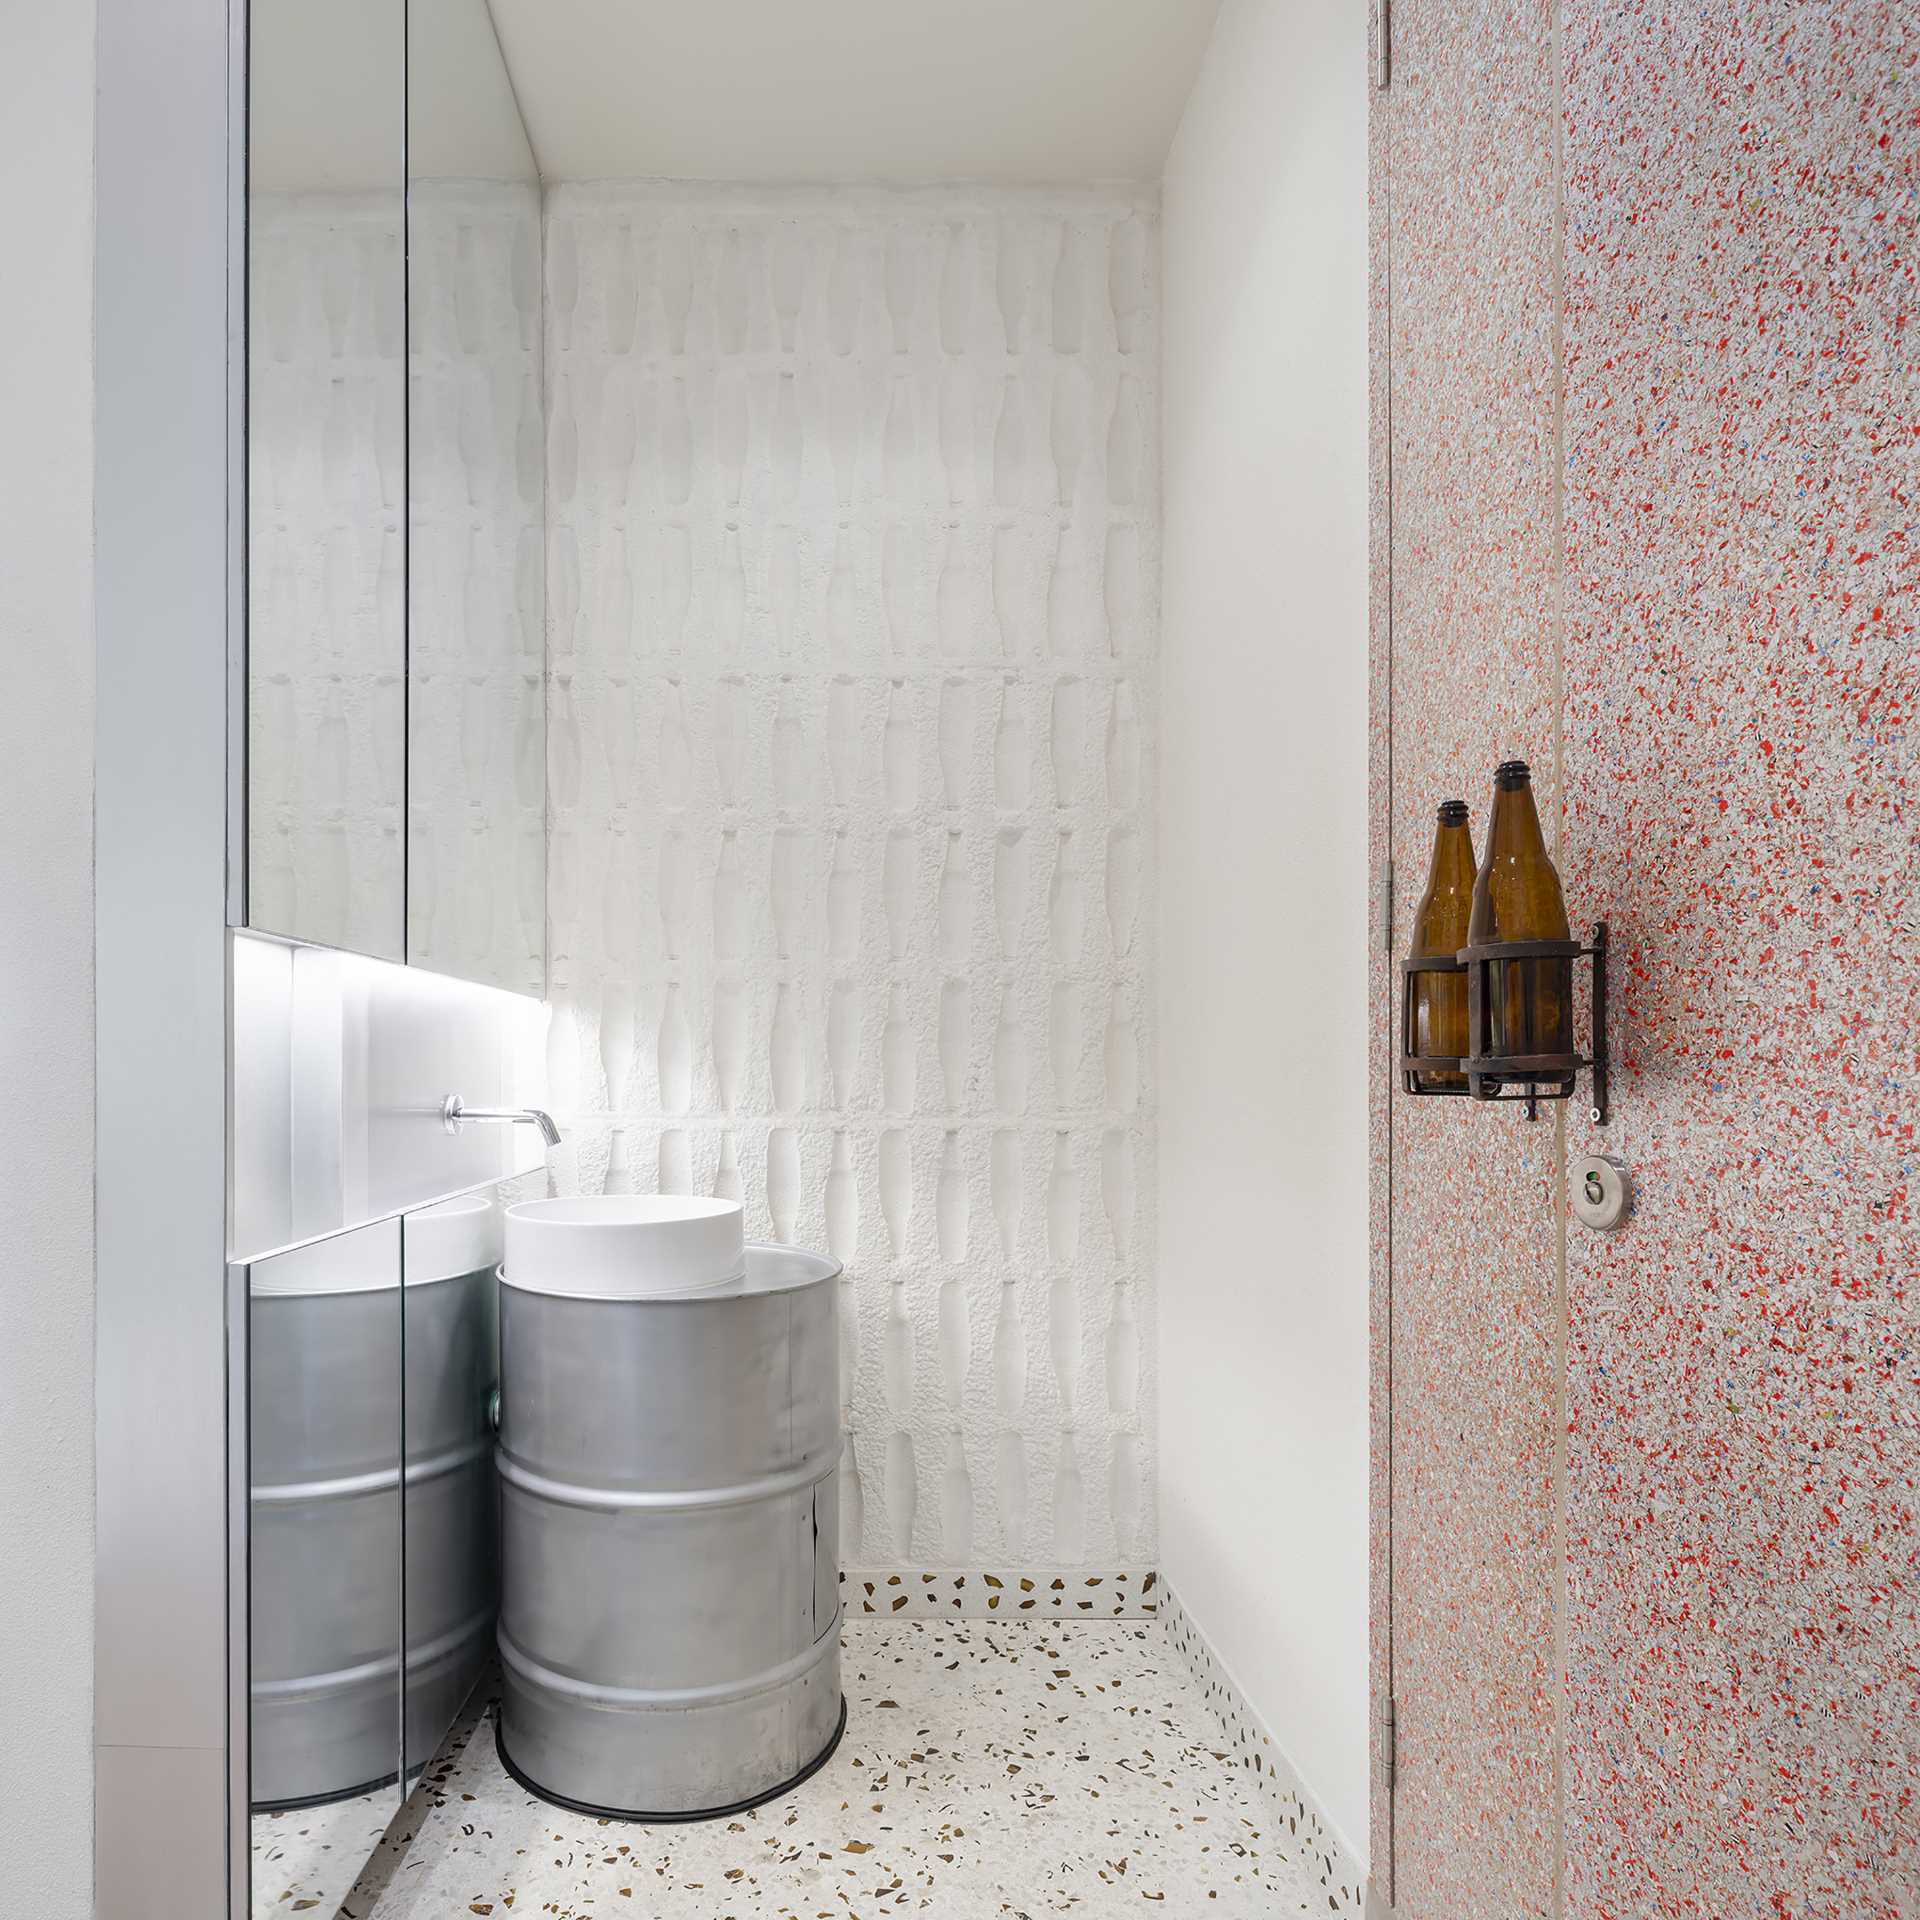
(624, 1246)
(456, 1237)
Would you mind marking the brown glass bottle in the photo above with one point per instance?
(1516, 896)
(1439, 932)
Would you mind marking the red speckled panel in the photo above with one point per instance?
(1474, 1233)
(1379, 978)
(1742, 674)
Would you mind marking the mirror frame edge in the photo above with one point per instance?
(168, 1735)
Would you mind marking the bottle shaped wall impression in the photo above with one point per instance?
(1516, 896)
(1439, 932)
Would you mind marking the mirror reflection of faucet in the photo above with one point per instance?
(455, 1113)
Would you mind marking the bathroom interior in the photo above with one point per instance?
(801, 738)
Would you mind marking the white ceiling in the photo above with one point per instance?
(895, 90)
(462, 123)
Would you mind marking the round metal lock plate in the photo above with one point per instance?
(1601, 1191)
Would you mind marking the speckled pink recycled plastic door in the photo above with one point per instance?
(1647, 286)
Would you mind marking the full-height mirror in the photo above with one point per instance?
(374, 1357)
(326, 473)
(476, 764)
(325, 1555)
(396, 779)
(451, 1253)
(396, 808)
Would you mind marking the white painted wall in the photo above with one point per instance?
(46, 961)
(1263, 1144)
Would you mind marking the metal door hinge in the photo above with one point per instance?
(1382, 42)
(1383, 907)
(1389, 1744)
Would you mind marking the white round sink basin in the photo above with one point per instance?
(624, 1246)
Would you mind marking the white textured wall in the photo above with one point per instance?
(46, 964)
(852, 615)
(1263, 1242)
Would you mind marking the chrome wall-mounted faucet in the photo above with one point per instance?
(454, 1112)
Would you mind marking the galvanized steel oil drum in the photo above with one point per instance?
(328, 1424)
(669, 1628)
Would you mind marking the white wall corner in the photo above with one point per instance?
(1263, 1082)
(1312, 1835)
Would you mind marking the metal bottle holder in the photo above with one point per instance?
(1532, 1077)
(1415, 1068)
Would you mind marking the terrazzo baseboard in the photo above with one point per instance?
(983, 1594)
(1253, 1746)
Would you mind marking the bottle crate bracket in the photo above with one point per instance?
(1490, 1075)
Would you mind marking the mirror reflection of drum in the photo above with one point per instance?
(669, 1451)
(326, 1424)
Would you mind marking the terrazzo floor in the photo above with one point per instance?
(304, 1860)
(990, 1768)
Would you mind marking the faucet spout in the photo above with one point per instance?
(454, 1113)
